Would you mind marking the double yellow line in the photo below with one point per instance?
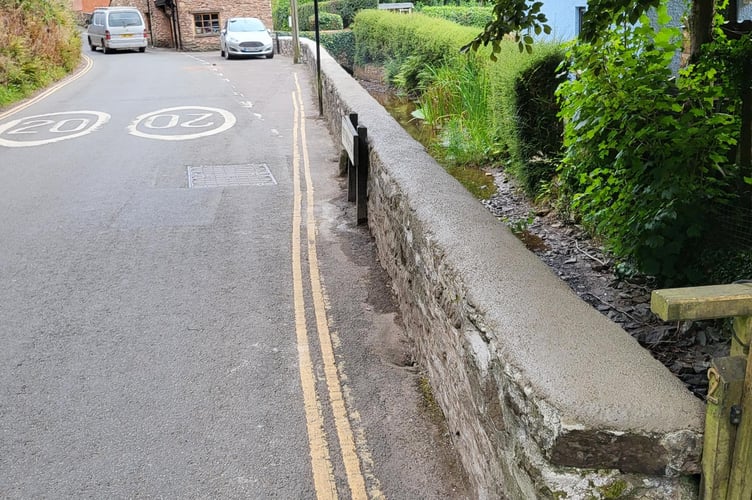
(323, 475)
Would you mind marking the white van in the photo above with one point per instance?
(116, 28)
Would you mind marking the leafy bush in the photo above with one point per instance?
(536, 152)
(348, 9)
(646, 155)
(327, 21)
(38, 45)
(330, 22)
(465, 16)
(723, 266)
(341, 46)
(281, 15)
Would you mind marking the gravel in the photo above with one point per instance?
(685, 348)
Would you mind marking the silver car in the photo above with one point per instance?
(245, 36)
(117, 28)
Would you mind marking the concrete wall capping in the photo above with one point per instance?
(544, 396)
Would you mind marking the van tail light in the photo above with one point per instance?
(146, 35)
(107, 35)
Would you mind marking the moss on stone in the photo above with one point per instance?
(614, 490)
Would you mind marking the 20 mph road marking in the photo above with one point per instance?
(182, 123)
(51, 127)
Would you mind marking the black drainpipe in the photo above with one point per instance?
(176, 14)
(151, 22)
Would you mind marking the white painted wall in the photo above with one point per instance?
(562, 17)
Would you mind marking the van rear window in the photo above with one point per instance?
(124, 19)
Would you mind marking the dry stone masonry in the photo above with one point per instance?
(544, 396)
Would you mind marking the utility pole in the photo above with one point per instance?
(294, 27)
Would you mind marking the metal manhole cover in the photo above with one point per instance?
(249, 174)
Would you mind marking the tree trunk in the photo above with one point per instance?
(700, 26)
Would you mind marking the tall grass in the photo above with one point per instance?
(455, 104)
(39, 43)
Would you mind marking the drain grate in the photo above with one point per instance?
(250, 174)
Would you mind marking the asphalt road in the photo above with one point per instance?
(188, 309)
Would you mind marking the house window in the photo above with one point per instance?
(580, 13)
(206, 23)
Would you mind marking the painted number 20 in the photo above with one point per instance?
(165, 121)
(67, 126)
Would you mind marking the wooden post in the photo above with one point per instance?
(726, 381)
(709, 302)
(740, 485)
(742, 335)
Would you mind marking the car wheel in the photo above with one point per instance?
(221, 52)
(142, 49)
(228, 55)
(270, 55)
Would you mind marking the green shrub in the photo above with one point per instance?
(341, 46)
(536, 151)
(348, 9)
(723, 266)
(38, 45)
(466, 16)
(646, 157)
(408, 44)
(327, 20)
(281, 15)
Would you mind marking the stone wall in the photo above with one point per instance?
(159, 19)
(543, 395)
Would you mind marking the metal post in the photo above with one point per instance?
(318, 55)
(361, 202)
(351, 176)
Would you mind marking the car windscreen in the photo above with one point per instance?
(245, 25)
(124, 19)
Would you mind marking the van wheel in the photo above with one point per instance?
(92, 46)
(142, 49)
(106, 49)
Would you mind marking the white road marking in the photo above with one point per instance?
(214, 120)
(78, 124)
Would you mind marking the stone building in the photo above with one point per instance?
(194, 24)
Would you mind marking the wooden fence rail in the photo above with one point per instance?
(727, 446)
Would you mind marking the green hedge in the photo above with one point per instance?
(341, 46)
(407, 44)
(465, 16)
(536, 150)
(328, 20)
(346, 9)
(519, 123)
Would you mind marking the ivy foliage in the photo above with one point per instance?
(647, 154)
(345, 9)
(515, 18)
